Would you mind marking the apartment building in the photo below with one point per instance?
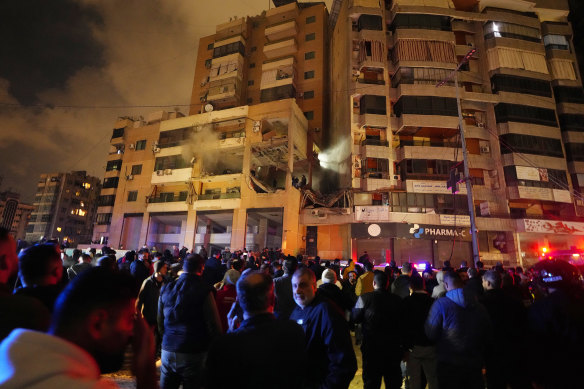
(222, 176)
(64, 207)
(217, 179)
(521, 106)
(14, 215)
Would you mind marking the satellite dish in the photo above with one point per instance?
(208, 107)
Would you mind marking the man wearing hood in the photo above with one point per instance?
(461, 328)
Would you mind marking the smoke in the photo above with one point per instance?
(204, 145)
(335, 162)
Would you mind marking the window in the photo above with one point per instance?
(370, 22)
(507, 83)
(250, 83)
(174, 137)
(136, 170)
(310, 37)
(252, 65)
(132, 195)
(249, 101)
(309, 115)
(110, 182)
(371, 104)
(278, 93)
(118, 132)
(427, 76)
(104, 218)
(572, 122)
(309, 55)
(231, 48)
(556, 42)
(170, 162)
(253, 49)
(374, 168)
(420, 21)
(309, 74)
(208, 63)
(509, 30)
(529, 144)
(575, 152)
(210, 46)
(549, 178)
(525, 114)
(425, 105)
(106, 200)
(567, 94)
(141, 144)
(309, 94)
(310, 19)
(113, 165)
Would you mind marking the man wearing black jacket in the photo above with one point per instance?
(379, 311)
(330, 356)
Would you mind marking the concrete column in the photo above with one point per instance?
(238, 229)
(190, 229)
(144, 229)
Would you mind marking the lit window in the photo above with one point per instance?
(87, 185)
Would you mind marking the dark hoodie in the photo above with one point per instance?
(461, 328)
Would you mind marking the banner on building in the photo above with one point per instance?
(551, 227)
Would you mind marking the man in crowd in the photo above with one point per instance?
(187, 320)
(140, 268)
(260, 338)
(283, 290)
(421, 351)
(331, 360)
(365, 280)
(147, 302)
(379, 311)
(16, 311)
(92, 325)
(83, 264)
(40, 269)
(505, 360)
(401, 285)
(461, 328)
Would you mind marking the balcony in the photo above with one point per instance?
(167, 176)
(168, 202)
(410, 124)
(228, 91)
(281, 30)
(282, 48)
(427, 150)
(537, 193)
(226, 67)
(278, 73)
(217, 196)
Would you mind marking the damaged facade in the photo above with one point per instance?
(371, 133)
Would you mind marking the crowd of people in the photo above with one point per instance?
(266, 319)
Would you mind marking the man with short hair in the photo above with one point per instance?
(365, 280)
(260, 338)
(378, 311)
(401, 285)
(40, 270)
(147, 302)
(92, 326)
(461, 328)
(188, 320)
(283, 290)
(138, 268)
(83, 264)
(505, 360)
(16, 311)
(330, 357)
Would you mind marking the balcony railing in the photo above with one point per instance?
(374, 142)
(218, 196)
(375, 174)
(373, 82)
(169, 198)
(427, 143)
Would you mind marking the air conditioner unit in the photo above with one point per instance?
(129, 177)
(314, 212)
(485, 149)
(160, 172)
(168, 172)
(131, 146)
(156, 149)
(345, 211)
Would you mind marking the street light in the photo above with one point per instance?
(466, 178)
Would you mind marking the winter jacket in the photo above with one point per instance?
(147, 302)
(139, 270)
(187, 315)
(379, 311)
(36, 360)
(284, 300)
(461, 328)
(401, 286)
(330, 356)
(416, 308)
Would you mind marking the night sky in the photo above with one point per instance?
(65, 63)
(69, 68)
